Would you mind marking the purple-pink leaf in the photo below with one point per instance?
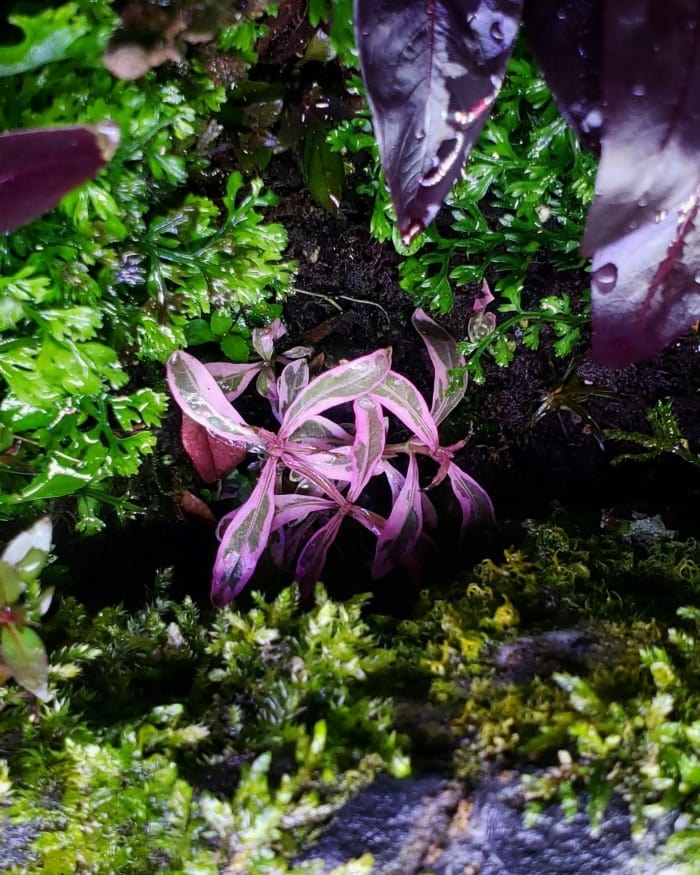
(244, 538)
(38, 167)
(400, 397)
(473, 500)
(448, 391)
(566, 37)
(432, 69)
(263, 339)
(368, 445)
(403, 528)
(294, 378)
(642, 229)
(292, 508)
(198, 394)
(233, 379)
(339, 385)
(313, 556)
(212, 457)
(335, 464)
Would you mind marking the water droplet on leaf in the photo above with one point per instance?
(496, 32)
(605, 278)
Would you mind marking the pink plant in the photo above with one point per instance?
(328, 465)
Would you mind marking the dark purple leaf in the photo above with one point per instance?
(245, 538)
(212, 457)
(566, 37)
(38, 167)
(432, 69)
(403, 527)
(642, 231)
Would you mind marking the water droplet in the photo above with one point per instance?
(660, 216)
(592, 120)
(639, 89)
(561, 14)
(605, 278)
(496, 32)
(420, 134)
(696, 278)
(642, 202)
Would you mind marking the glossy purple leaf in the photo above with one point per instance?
(400, 397)
(642, 229)
(442, 349)
(368, 445)
(245, 538)
(292, 508)
(432, 69)
(339, 385)
(263, 339)
(403, 527)
(38, 167)
(473, 500)
(212, 457)
(566, 37)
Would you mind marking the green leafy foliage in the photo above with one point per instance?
(666, 437)
(119, 271)
(288, 696)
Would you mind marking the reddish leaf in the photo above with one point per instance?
(642, 230)
(192, 505)
(212, 456)
(442, 349)
(566, 37)
(403, 527)
(313, 556)
(38, 167)
(473, 500)
(432, 69)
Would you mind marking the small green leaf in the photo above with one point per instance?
(235, 347)
(26, 658)
(323, 169)
(10, 583)
(47, 38)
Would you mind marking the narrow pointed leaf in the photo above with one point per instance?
(400, 397)
(313, 557)
(473, 500)
(566, 38)
(292, 509)
(442, 349)
(244, 539)
(233, 379)
(403, 527)
(198, 394)
(339, 385)
(25, 656)
(38, 167)
(642, 229)
(368, 446)
(294, 378)
(432, 69)
(11, 584)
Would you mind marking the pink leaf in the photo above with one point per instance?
(233, 379)
(473, 500)
(245, 538)
(339, 385)
(293, 508)
(294, 378)
(313, 557)
(400, 397)
(403, 527)
(368, 446)
(442, 349)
